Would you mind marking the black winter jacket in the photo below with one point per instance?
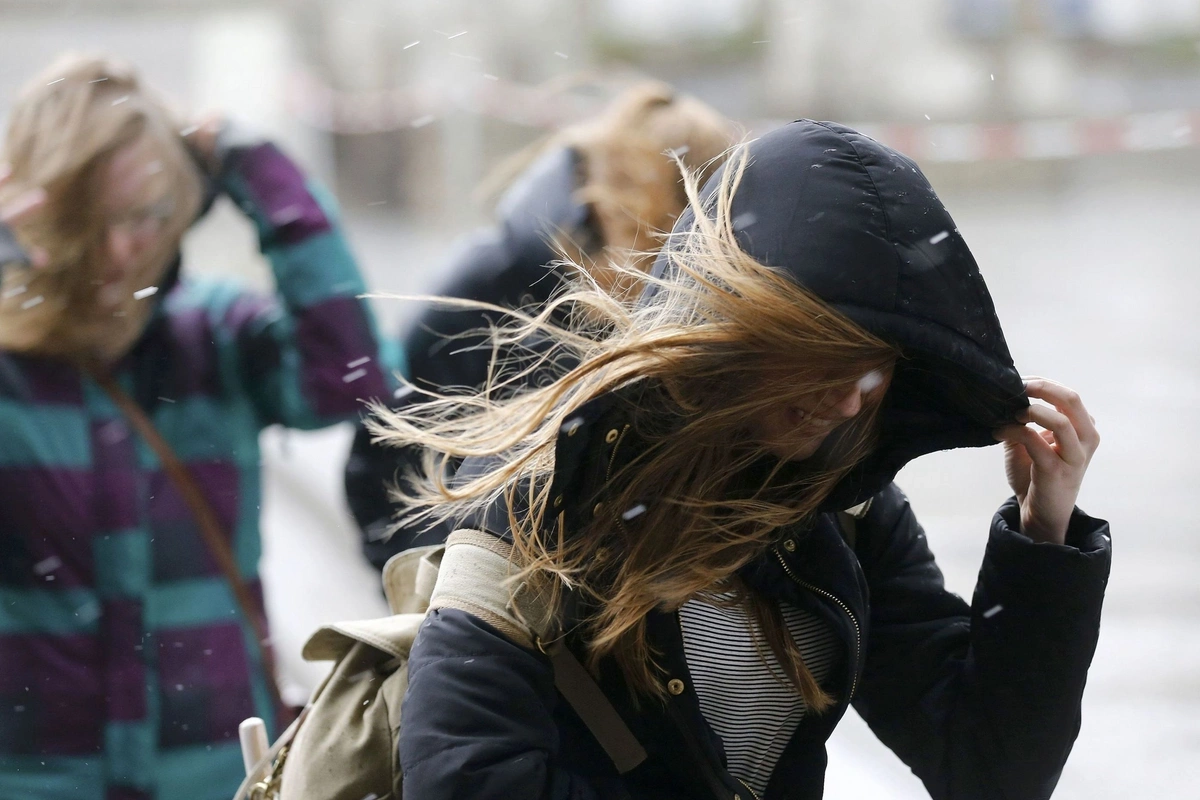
(981, 701)
(446, 349)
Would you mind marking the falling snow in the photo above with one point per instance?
(120, 100)
(744, 220)
(634, 512)
(411, 44)
(47, 565)
(940, 237)
(871, 380)
(287, 214)
(358, 362)
(144, 293)
(993, 611)
(31, 302)
(561, 55)
(350, 377)
(421, 122)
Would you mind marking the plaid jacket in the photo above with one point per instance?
(125, 667)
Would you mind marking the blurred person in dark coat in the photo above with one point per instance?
(601, 192)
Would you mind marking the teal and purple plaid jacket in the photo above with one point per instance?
(125, 667)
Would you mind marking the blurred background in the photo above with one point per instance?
(1062, 134)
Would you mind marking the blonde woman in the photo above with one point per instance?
(125, 666)
(604, 191)
(816, 323)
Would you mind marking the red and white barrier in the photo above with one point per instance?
(1042, 138)
(321, 107)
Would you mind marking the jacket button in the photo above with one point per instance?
(675, 686)
(596, 509)
(789, 545)
(558, 500)
(611, 436)
(737, 797)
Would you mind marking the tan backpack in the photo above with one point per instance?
(344, 745)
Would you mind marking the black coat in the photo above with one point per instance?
(980, 700)
(447, 349)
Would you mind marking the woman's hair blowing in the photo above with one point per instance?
(717, 341)
(65, 125)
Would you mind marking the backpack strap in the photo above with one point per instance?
(474, 577)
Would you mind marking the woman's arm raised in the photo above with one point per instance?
(981, 701)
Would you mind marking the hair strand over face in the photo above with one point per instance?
(718, 340)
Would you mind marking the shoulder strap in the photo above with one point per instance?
(473, 577)
(206, 519)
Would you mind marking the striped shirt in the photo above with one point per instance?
(743, 691)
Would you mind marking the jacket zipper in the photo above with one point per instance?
(857, 630)
(753, 793)
(612, 459)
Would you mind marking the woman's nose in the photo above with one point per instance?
(121, 246)
(850, 404)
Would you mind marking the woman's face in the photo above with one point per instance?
(137, 202)
(795, 431)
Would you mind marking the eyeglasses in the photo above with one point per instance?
(149, 218)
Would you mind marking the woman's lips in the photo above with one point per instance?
(111, 294)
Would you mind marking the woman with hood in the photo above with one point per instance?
(125, 663)
(706, 501)
(602, 191)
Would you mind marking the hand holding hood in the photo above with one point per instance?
(859, 225)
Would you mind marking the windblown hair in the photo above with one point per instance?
(65, 125)
(718, 341)
(630, 179)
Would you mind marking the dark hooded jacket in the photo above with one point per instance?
(510, 265)
(981, 700)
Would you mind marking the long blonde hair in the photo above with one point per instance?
(66, 123)
(629, 178)
(720, 341)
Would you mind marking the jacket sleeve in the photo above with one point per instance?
(308, 356)
(980, 701)
(478, 717)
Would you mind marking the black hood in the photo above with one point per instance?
(858, 224)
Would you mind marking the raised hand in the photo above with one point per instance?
(201, 137)
(1046, 467)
